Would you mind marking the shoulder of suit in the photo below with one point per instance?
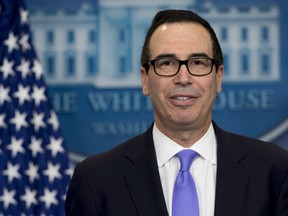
(251, 146)
(135, 144)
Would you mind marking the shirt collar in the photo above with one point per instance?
(166, 148)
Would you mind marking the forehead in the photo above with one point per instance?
(181, 39)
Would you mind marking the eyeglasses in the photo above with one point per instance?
(197, 66)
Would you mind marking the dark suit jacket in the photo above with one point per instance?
(252, 180)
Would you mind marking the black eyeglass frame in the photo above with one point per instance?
(181, 62)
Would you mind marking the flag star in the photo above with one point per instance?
(24, 68)
(4, 94)
(55, 146)
(7, 68)
(22, 94)
(38, 94)
(38, 121)
(24, 42)
(49, 198)
(19, 120)
(37, 69)
(29, 197)
(32, 172)
(70, 170)
(24, 16)
(52, 172)
(0, 146)
(2, 120)
(8, 198)
(11, 42)
(35, 146)
(12, 172)
(16, 146)
(53, 121)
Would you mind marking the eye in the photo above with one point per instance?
(165, 62)
(199, 62)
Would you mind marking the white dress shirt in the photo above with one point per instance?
(203, 168)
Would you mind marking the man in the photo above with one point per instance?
(182, 70)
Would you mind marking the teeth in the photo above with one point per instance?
(182, 98)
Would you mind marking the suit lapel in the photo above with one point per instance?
(143, 180)
(232, 176)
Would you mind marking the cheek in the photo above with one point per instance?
(211, 89)
(153, 89)
(214, 92)
(157, 87)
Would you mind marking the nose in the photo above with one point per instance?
(183, 77)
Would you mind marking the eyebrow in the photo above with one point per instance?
(198, 55)
(165, 55)
(171, 55)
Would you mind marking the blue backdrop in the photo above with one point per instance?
(90, 52)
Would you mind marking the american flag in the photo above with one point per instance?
(34, 168)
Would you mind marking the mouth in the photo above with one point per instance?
(183, 100)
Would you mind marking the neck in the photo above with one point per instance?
(186, 136)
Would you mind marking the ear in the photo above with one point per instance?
(219, 77)
(144, 79)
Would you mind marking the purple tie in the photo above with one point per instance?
(185, 200)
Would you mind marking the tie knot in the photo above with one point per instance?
(186, 157)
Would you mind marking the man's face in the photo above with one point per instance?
(183, 101)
